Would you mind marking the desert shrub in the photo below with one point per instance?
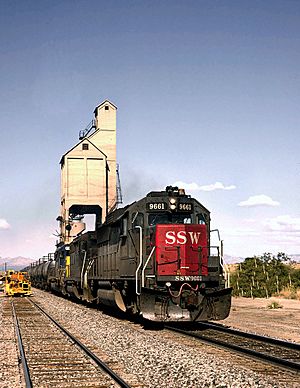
(274, 305)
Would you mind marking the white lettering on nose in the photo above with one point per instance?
(170, 237)
(181, 237)
(194, 237)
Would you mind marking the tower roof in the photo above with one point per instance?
(105, 102)
(62, 160)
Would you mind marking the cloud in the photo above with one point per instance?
(242, 232)
(195, 187)
(259, 200)
(284, 223)
(4, 224)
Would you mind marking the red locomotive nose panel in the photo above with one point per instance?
(181, 249)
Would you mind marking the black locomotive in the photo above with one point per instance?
(152, 257)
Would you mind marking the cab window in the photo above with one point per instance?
(201, 219)
(168, 218)
(137, 220)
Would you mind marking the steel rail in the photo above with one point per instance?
(244, 334)
(97, 360)
(27, 378)
(253, 353)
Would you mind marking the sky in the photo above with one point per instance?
(208, 98)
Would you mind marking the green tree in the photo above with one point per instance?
(295, 278)
(263, 276)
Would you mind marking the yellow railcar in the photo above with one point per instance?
(17, 284)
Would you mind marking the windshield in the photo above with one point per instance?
(168, 218)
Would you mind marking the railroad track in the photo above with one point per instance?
(53, 357)
(280, 353)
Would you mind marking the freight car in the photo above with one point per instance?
(152, 258)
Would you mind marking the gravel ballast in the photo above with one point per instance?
(153, 357)
(10, 373)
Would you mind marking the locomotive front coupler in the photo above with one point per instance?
(188, 296)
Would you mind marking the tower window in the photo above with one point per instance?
(106, 107)
(85, 146)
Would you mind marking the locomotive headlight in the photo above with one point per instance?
(168, 284)
(172, 203)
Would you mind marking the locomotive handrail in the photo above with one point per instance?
(218, 232)
(225, 270)
(140, 262)
(144, 268)
(82, 268)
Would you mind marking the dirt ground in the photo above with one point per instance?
(253, 315)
